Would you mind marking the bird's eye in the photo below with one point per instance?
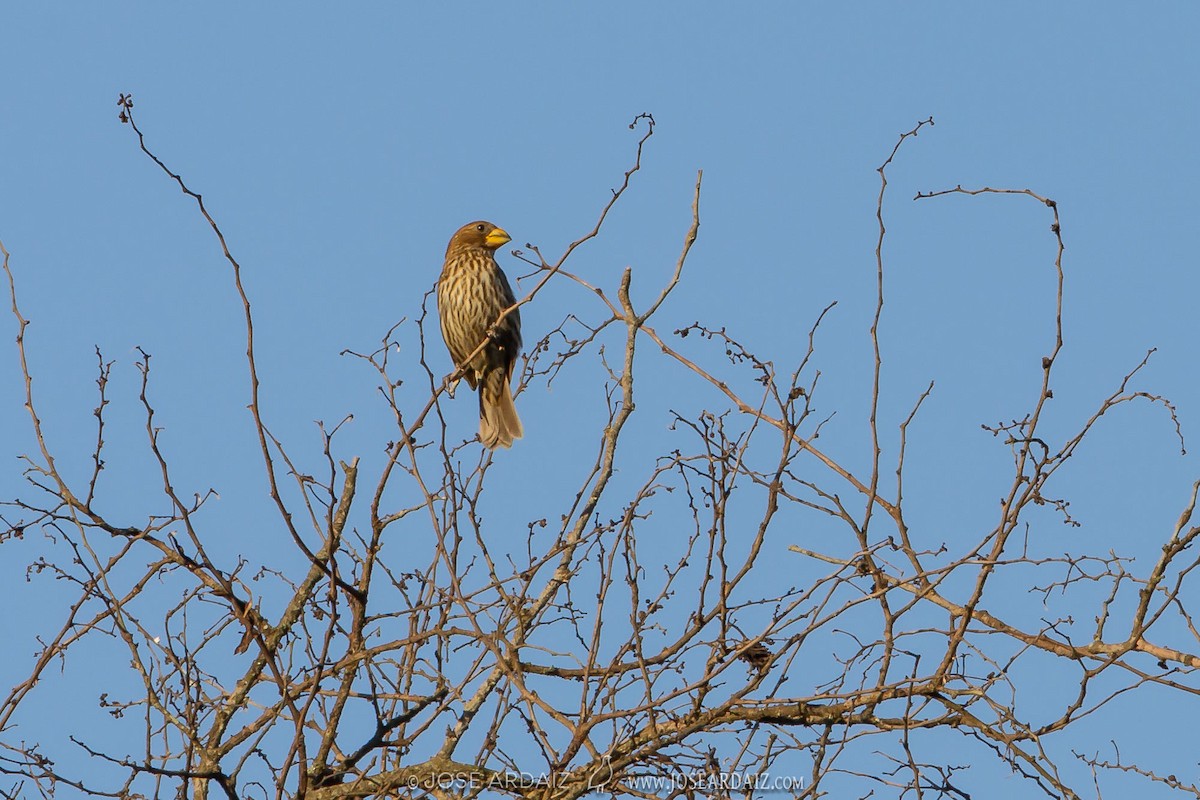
(479, 227)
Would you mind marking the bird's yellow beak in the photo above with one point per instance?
(497, 237)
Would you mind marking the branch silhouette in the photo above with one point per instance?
(638, 631)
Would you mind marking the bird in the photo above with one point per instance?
(472, 293)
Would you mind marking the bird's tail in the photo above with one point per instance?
(498, 420)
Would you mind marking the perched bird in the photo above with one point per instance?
(472, 292)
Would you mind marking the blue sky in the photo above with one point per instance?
(339, 148)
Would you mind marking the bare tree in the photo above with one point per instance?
(596, 654)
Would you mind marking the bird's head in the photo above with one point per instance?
(479, 234)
